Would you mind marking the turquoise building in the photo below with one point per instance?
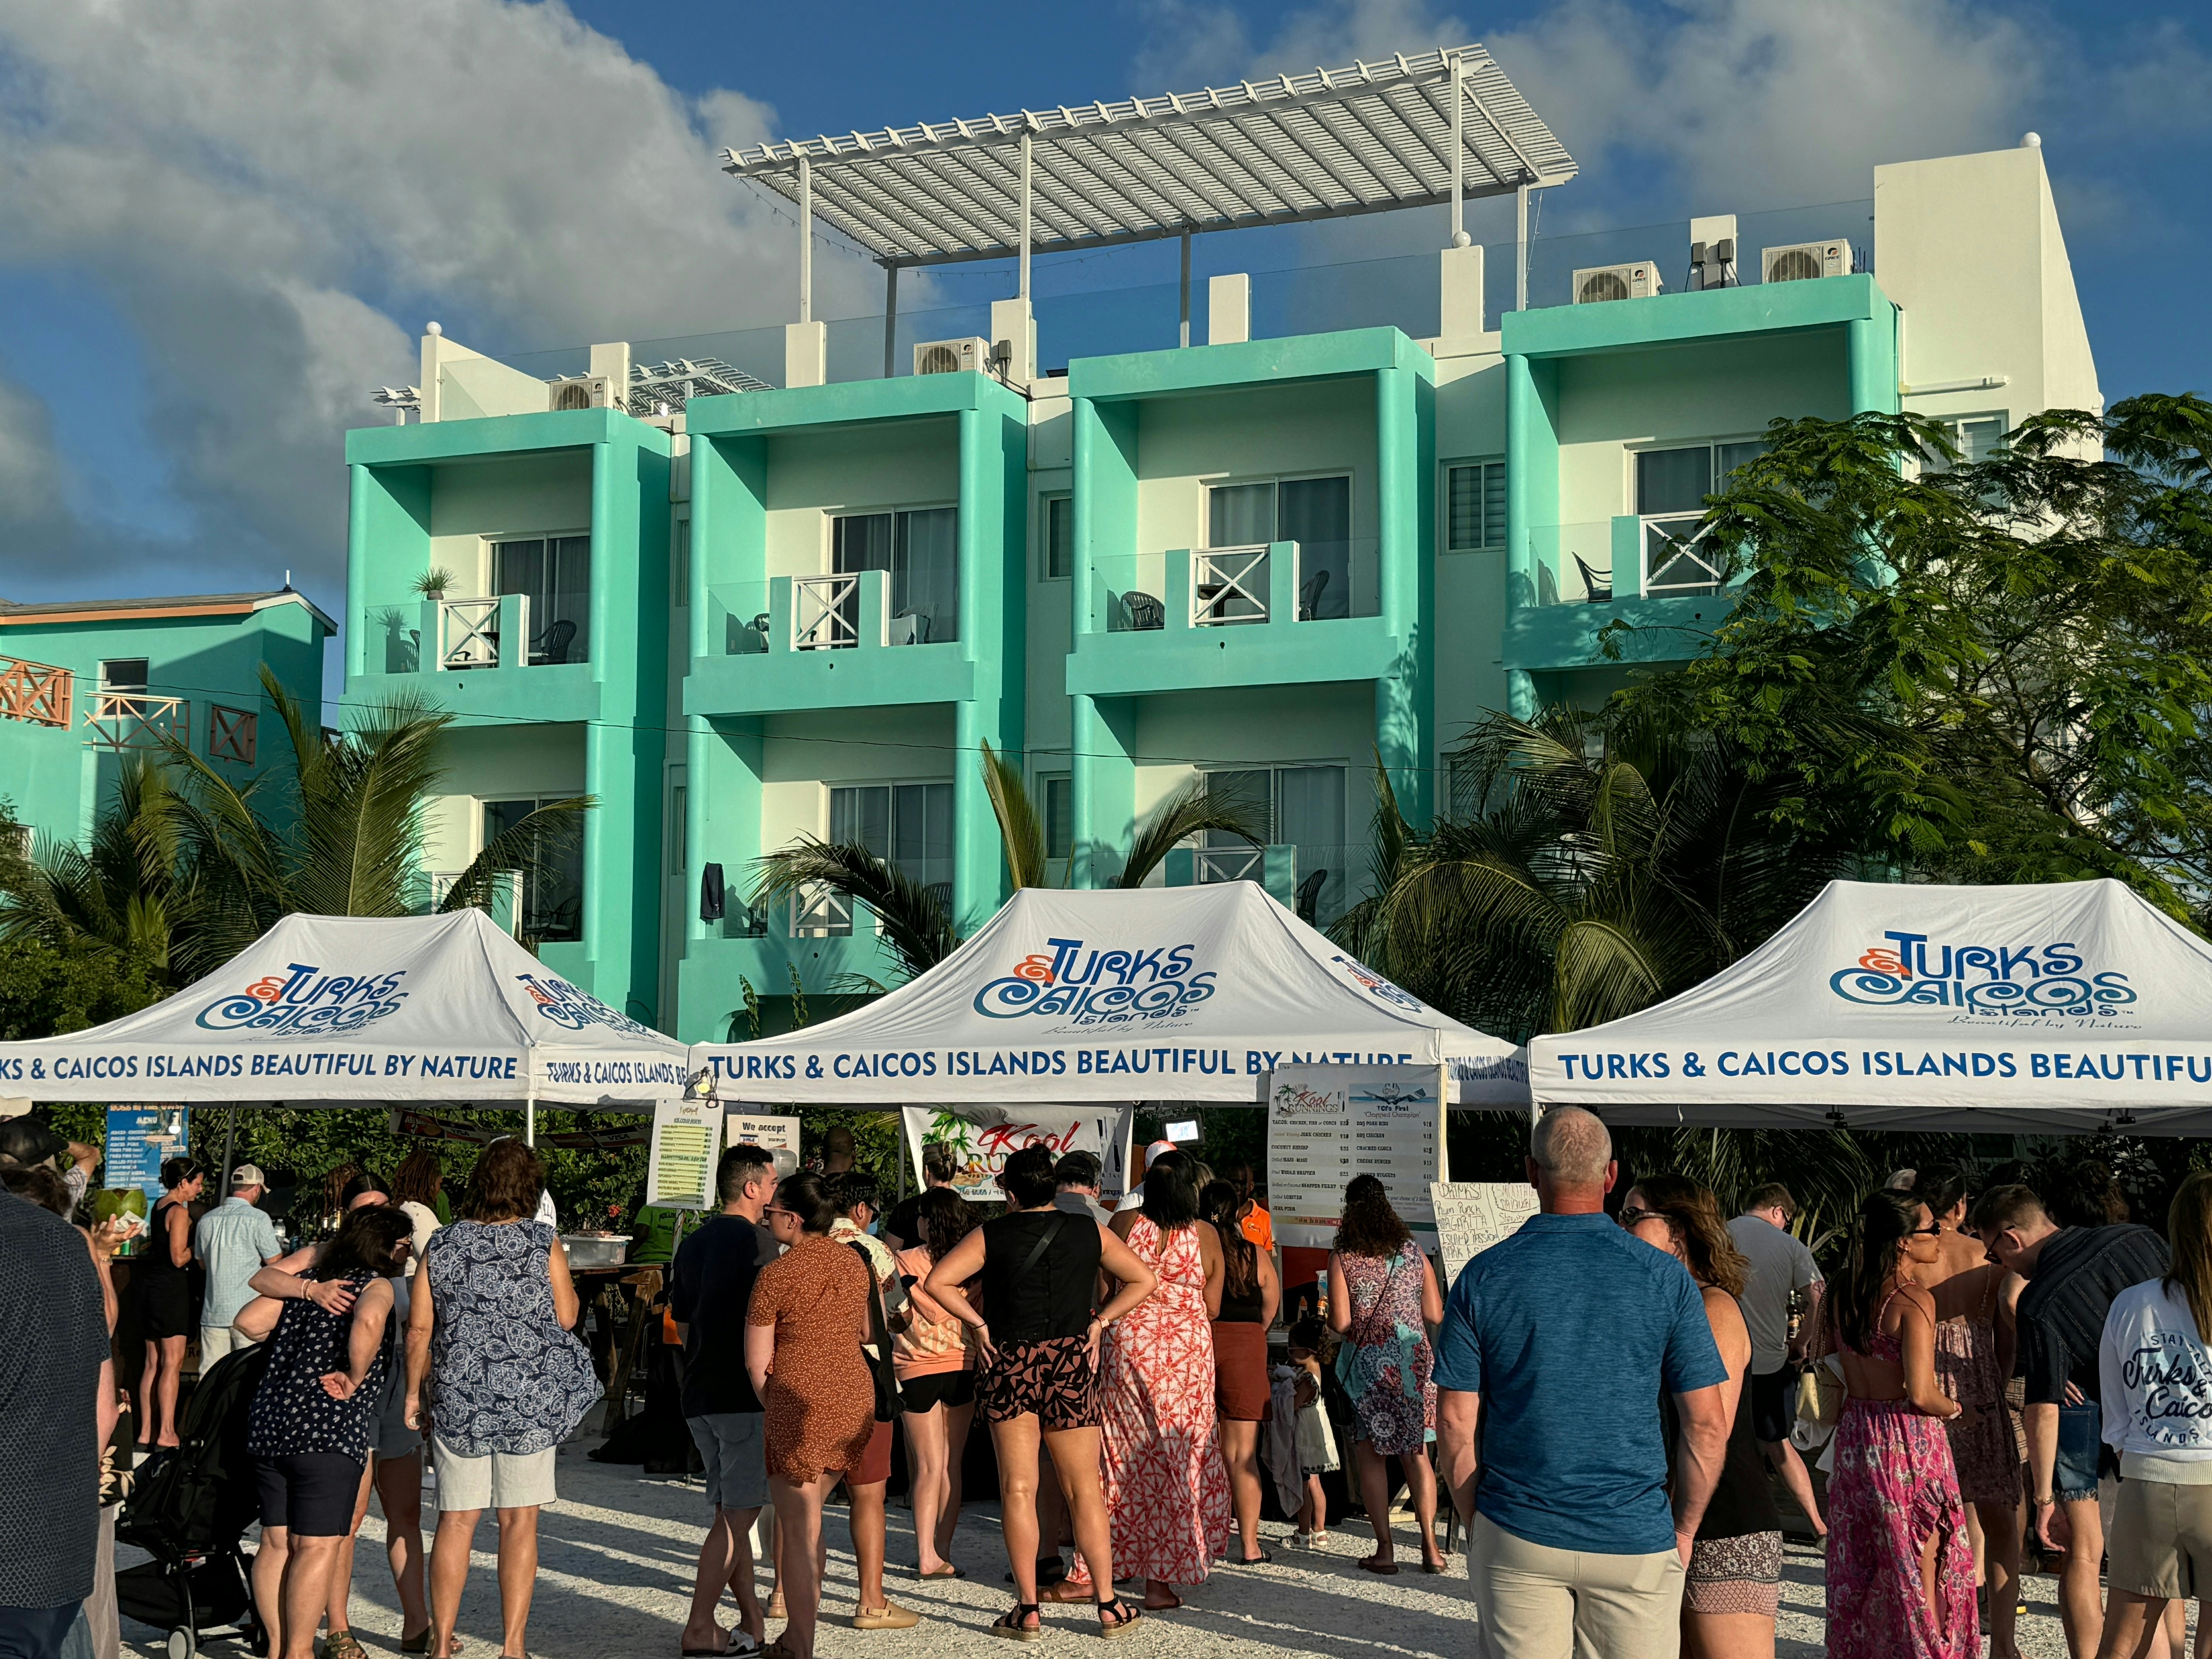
(83, 684)
(790, 582)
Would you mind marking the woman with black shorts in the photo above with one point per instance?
(936, 1365)
(1039, 1376)
(161, 1281)
(312, 1419)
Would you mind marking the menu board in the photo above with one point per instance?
(1328, 1123)
(140, 1139)
(779, 1135)
(687, 1143)
(1473, 1215)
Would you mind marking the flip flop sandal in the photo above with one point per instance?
(946, 1572)
(1259, 1560)
(1370, 1563)
(1014, 1624)
(421, 1643)
(1115, 1620)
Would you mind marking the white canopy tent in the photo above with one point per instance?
(1169, 994)
(338, 1011)
(2042, 1009)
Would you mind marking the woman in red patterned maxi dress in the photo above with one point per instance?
(1166, 1484)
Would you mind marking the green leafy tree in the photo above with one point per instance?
(1997, 669)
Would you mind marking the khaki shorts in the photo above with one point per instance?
(1531, 1599)
(2161, 1540)
(497, 1480)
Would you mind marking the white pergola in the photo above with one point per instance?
(1430, 130)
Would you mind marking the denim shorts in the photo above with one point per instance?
(2081, 1443)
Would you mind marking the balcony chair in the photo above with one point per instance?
(909, 628)
(1599, 589)
(1307, 898)
(1141, 613)
(745, 639)
(1309, 593)
(552, 646)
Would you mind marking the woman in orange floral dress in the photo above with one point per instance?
(1166, 1484)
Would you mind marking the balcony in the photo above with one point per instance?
(1267, 614)
(1318, 897)
(1658, 573)
(36, 693)
(134, 720)
(799, 642)
(487, 657)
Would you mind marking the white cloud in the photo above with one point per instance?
(262, 192)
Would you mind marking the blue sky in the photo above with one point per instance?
(228, 225)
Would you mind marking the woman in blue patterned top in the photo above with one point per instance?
(490, 1332)
(309, 1424)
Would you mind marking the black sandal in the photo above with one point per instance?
(1115, 1620)
(1014, 1623)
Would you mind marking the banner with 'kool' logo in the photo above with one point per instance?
(1170, 993)
(2070, 1005)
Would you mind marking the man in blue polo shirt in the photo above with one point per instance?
(1564, 1335)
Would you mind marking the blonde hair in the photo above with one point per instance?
(2189, 1231)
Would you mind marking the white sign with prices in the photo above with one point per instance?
(687, 1137)
(982, 1138)
(1473, 1215)
(1328, 1123)
(779, 1135)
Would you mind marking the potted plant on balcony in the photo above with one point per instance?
(433, 583)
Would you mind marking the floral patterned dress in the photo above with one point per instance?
(1894, 1484)
(1389, 1380)
(1166, 1484)
(504, 1376)
(1982, 1445)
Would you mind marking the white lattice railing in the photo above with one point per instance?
(819, 912)
(1214, 864)
(1228, 585)
(132, 720)
(468, 631)
(825, 613)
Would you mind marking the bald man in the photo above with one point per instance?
(1568, 1331)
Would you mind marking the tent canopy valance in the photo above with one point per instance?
(344, 1010)
(1172, 994)
(2069, 1006)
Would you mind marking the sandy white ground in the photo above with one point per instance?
(617, 1555)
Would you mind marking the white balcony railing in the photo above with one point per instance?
(504, 901)
(468, 631)
(1216, 864)
(818, 913)
(1228, 584)
(1678, 556)
(132, 720)
(825, 613)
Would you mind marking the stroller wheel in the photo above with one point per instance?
(182, 1644)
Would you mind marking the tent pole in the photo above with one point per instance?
(530, 1119)
(229, 1142)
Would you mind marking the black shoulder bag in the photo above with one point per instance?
(889, 1403)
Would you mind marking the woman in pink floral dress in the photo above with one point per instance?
(1166, 1484)
(1900, 1566)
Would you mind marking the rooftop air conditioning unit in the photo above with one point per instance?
(950, 356)
(1801, 261)
(1633, 282)
(582, 392)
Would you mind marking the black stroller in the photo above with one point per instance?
(189, 1509)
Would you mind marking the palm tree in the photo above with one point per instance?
(187, 868)
(917, 924)
(1619, 862)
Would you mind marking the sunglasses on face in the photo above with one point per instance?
(1634, 1215)
(1933, 1230)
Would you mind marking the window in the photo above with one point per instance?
(679, 828)
(907, 824)
(1059, 538)
(1463, 794)
(1475, 507)
(125, 674)
(1302, 806)
(679, 554)
(1059, 816)
(556, 573)
(1314, 513)
(553, 889)
(1975, 437)
(920, 549)
(1671, 486)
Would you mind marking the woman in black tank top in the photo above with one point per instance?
(1243, 1397)
(1039, 1345)
(1735, 1562)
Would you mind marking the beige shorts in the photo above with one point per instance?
(2161, 1540)
(497, 1480)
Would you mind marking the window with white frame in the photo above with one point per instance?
(1975, 437)
(1671, 488)
(1057, 535)
(1316, 513)
(553, 885)
(919, 548)
(555, 572)
(1300, 805)
(124, 674)
(1474, 507)
(909, 825)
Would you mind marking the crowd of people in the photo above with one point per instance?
(1983, 1375)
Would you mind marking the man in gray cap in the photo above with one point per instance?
(236, 1240)
(26, 1143)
